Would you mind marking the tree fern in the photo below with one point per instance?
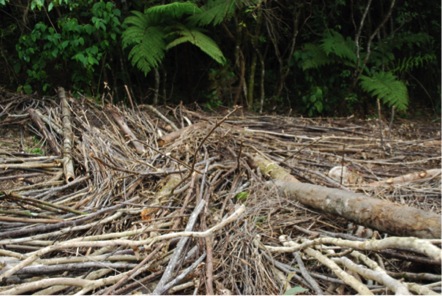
(386, 87)
(147, 41)
(174, 10)
(159, 28)
(334, 43)
(312, 57)
(199, 39)
(407, 39)
(214, 13)
(410, 63)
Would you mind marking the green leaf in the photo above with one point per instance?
(311, 57)
(386, 87)
(334, 43)
(174, 10)
(214, 13)
(199, 39)
(37, 4)
(296, 290)
(242, 196)
(149, 48)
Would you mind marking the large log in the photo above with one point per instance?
(371, 212)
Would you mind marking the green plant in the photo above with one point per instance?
(242, 196)
(387, 88)
(378, 77)
(73, 44)
(314, 101)
(162, 27)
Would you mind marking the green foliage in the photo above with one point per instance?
(314, 101)
(196, 37)
(162, 27)
(333, 43)
(386, 87)
(147, 41)
(214, 13)
(174, 10)
(296, 290)
(410, 63)
(70, 45)
(312, 56)
(242, 196)
(333, 50)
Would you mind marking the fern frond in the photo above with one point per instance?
(146, 39)
(136, 26)
(149, 52)
(311, 57)
(174, 10)
(334, 43)
(214, 13)
(386, 87)
(409, 40)
(410, 63)
(199, 39)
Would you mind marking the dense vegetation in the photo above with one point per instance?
(312, 57)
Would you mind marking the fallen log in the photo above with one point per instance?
(371, 212)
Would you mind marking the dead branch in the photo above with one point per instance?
(371, 212)
(340, 273)
(128, 134)
(68, 141)
(402, 243)
(408, 178)
(48, 136)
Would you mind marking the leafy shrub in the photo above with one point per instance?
(336, 54)
(77, 46)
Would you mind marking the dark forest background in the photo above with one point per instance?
(313, 58)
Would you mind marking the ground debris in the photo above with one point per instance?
(166, 201)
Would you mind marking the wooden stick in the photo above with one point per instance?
(68, 141)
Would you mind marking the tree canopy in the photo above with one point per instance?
(315, 58)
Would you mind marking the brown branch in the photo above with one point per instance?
(68, 142)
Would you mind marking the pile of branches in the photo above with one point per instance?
(121, 200)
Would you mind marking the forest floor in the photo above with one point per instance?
(119, 200)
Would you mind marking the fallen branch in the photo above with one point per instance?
(128, 134)
(35, 116)
(401, 243)
(408, 178)
(68, 141)
(339, 272)
(75, 243)
(371, 212)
